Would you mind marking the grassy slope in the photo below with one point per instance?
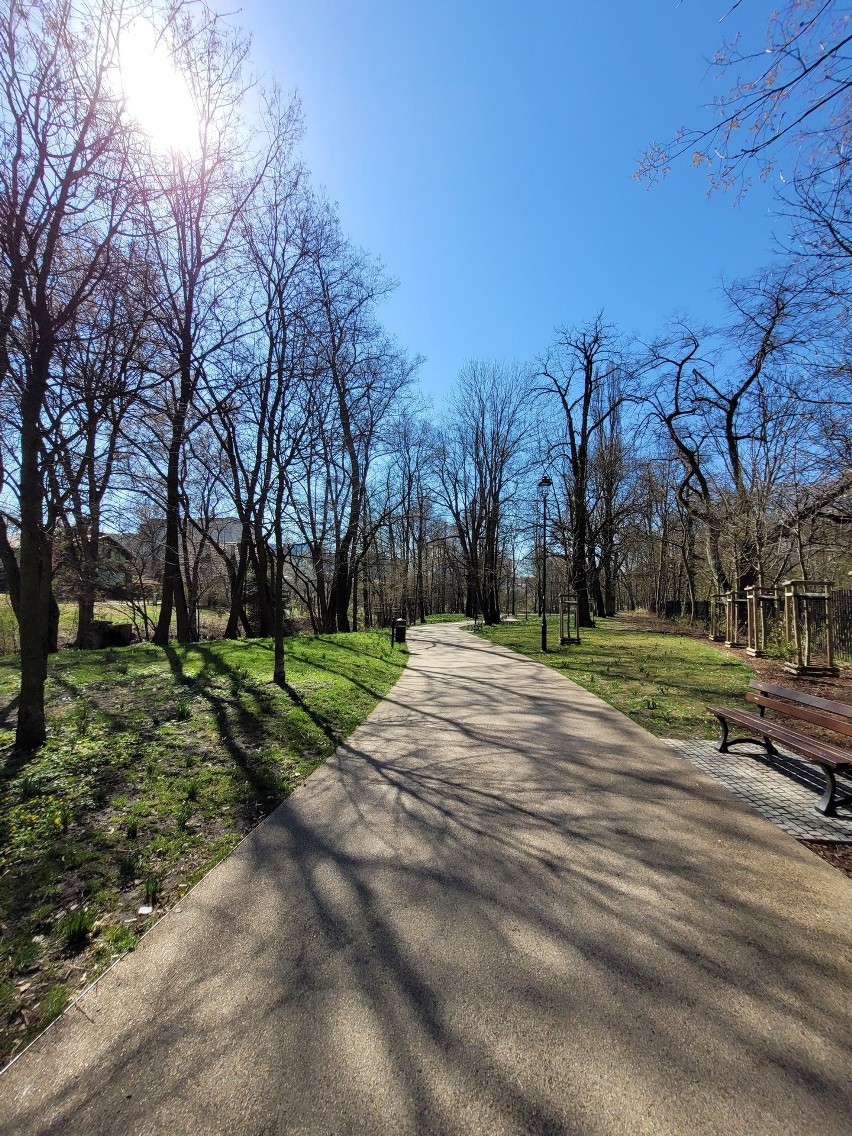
(113, 611)
(662, 681)
(159, 761)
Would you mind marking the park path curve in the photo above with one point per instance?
(501, 908)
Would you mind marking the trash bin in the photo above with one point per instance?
(399, 630)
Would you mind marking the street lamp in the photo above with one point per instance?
(543, 487)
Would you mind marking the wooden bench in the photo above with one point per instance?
(478, 622)
(823, 712)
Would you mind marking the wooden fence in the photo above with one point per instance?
(843, 625)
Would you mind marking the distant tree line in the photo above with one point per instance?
(201, 406)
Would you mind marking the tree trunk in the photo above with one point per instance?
(279, 675)
(579, 580)
(322, 618)
(341, 592)
(355, 598)
(595, 574)
(35, 579)
(265, 604)
(89, 553)
(421, 602)
(173, 599)
(237, 580)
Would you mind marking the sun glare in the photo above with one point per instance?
(157, 94)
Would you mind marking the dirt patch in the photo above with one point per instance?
(838, 855)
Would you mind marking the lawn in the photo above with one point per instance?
(159, 761)
(212, 621)
(661, 680)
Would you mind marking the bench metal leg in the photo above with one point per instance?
(726, 742)
(827, 804)
(831, 799)
(723, 741)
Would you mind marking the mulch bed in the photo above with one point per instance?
(838, 855)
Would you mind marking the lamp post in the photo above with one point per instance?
(543, 487)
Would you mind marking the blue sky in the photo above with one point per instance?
(486, 150)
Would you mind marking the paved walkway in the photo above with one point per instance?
(502, 908)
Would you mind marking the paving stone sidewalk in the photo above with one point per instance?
(784, 789)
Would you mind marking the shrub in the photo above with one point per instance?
(76, 928)
(81, 716)
(240, 678)
(779, 646)
(128, 866)
(30, 787)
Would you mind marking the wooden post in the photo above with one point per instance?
(717, 600)
(801, 629)
(754, 645)
(732, 600)
(829, 629)
(568, 612)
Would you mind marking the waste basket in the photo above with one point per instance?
(398, 631)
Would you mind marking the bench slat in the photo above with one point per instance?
(839, 709)
(809, 747)
(803, 713)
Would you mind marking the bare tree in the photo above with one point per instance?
(197, 201)
(584, 370)
(787, 111)
(727, 411)
(278, 234)
(65, 191)
(481, 456)
(612, 501)
(361, 376)
(100, 380)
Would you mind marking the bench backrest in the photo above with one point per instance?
(824, 712)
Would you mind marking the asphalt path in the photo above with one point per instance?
(501, 908)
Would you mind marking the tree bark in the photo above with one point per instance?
(173, 599)
(237, 579)
(35, 572)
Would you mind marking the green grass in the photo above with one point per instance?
(158, 762)
(113, 611)
(663, 681)
(446, 617)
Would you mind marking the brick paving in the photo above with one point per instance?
(783, 789)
